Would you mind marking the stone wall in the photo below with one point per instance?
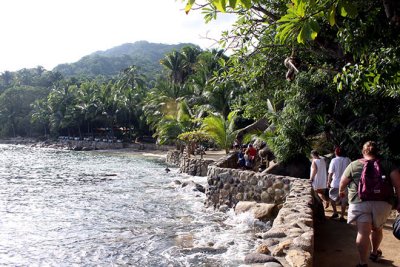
(228, 186)
(291, 238)
(290, 241)
(191, 166)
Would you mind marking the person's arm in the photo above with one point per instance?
(314, 170)
(330, 175)
(395, 178)
(344, 181)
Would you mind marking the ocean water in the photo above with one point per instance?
(67, 208)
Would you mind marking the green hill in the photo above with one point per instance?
(110, 62)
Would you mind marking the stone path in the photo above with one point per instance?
(335, 245)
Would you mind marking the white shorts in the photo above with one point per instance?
(334, 196)
(374, 212)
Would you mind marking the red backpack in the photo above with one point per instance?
(374, 185)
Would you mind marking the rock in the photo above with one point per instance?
(298, 167)
(261, 211)
(243, 206)
(297, 258)
(265, 197)
(272, 234)
(271, 242)
(263, 249)
(223, 208)
(272, 264)
(196, 187)
(239, 196)
(278, 250)
(224, 175)
(259, 258)
(264, 211)
(305, 241)
(200, 188)
(278, 185)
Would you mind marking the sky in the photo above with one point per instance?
(51, 32)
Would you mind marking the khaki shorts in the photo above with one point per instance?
(375, 212)
(334, 196)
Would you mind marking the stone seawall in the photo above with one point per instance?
(290, 241)
(191, 166)
(229, 186)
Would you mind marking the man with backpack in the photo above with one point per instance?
(370, 183)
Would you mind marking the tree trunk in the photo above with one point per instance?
(260, 125)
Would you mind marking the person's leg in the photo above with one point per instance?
(381, 211)
(363, 241)
(376, 239)
(335, 213)
(343, 205)
(321, 194)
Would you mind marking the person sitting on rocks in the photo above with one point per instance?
(241, 160)
(248, 161)
(252, 152)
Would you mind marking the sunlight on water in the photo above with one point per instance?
(65, 208)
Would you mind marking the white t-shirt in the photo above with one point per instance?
(337, 167)
(320, 179)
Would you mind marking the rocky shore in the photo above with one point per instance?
(77, 144)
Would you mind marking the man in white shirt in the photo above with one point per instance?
(335, 171)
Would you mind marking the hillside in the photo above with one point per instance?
(110, 62)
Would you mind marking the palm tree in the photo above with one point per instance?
(133, 89)
(174, 62)
(86, 102)
(221, 130)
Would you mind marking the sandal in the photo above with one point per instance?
(334, 216)
(375, 257)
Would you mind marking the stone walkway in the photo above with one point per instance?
(335, 245)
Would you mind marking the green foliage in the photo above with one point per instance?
(221, 130)
(15, 108)
(110, 62)
(194, 137)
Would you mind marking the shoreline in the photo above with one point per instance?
(144, 149)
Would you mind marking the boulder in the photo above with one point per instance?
(261, 211)
(298, 167)
(195, 186)
(259, 258)
(263, 249)
(298, 258)
(278, 250)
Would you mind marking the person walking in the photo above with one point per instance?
(318, 177)
(369, 215)
(335, 171)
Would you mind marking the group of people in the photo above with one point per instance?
(247, 156)
(342, 181)
(322, 181)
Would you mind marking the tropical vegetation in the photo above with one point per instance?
(320, 73)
